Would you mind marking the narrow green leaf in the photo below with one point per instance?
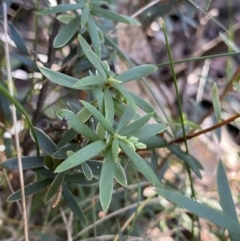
(136, 72)
(131, 128)
(30, 189)
(84, 114)
(126, 95)
(49, 162)
(66, 33)
(82, 155)
(109, 106)
(95, 166)
(25, 60)
(59, 78)
(101, 131)
(92, 28)
(149, 130)
(216, 103)
(201, 210)
(87, 171)
(84, 16)
(17, 39)
(45, 142)
(226, 200)
(107, 180)
(60, 8)
(120, 175)
(78, 125)
(99, 97)
(28, 162)
(98, 115)
(65, 18)
(57, 182)
(42, 171)
(80, 179)
(141, 165)
(61, 152)
(93, 58)
(229, 42)
(125, 118)
(69, 135)
(113, 16)
(20, 108)
(115, 148)
(193, 163)
(154, 142)
(89, 80)
(144, 105)
(73, 205)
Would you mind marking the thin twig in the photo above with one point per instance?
(67, 226)
(204, 131)
(14, 116)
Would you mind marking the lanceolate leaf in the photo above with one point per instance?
(45, 142)
(120, 175)
(73, 205)
(29, 162)
(92, 28)
(106, 180)
(82, 155)
(154, 142)
(93, 58)
(115, 147)
(54, 187)
(141, 165)
(30, 189)
(201, 210)
(216, 103)
(59, 78)
(109, 106)
(98, 115)
(226, 200)
(65, 35)
(89, 80)
(60, 8)
(78, 125)
(84, 16)
(125, 118)
(136, 72)
(131, 128)
(87, 171)
(112, 15)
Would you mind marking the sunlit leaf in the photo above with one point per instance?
(107, 180)
(60, 8)
(82, 155)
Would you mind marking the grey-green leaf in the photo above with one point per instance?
(59, 78)
(89, 80)
(226, 200)
(154, 142)
(109, 106)
(87, 171)
(98, 115)
(92, 28)
(73, 205)
(201, 210)
(136, 72)
(115, 148)
(57, 182)
(113, 16)
(84, 16)
(216, 102)
(66, 33)
(30, 189)
(82, 155)
(78, 125)
(125, 118)
(45, 142)
(60, 8)
(134, 126)
(28, 162)
(120, 175)
(61, 152)
(107, 180)
(141, 165)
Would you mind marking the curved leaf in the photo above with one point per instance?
(60, 8)
(84, 16)
(107, 180)
(82, 155)
(120, 175)
(29, 162)
(30, 189)
(66, 33)
(87, 171)
(73, 205)
(136, 72)
(154, 142)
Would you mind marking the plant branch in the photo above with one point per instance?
(204, 131)
(15, 125)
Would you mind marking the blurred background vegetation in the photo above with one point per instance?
(195, 29)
